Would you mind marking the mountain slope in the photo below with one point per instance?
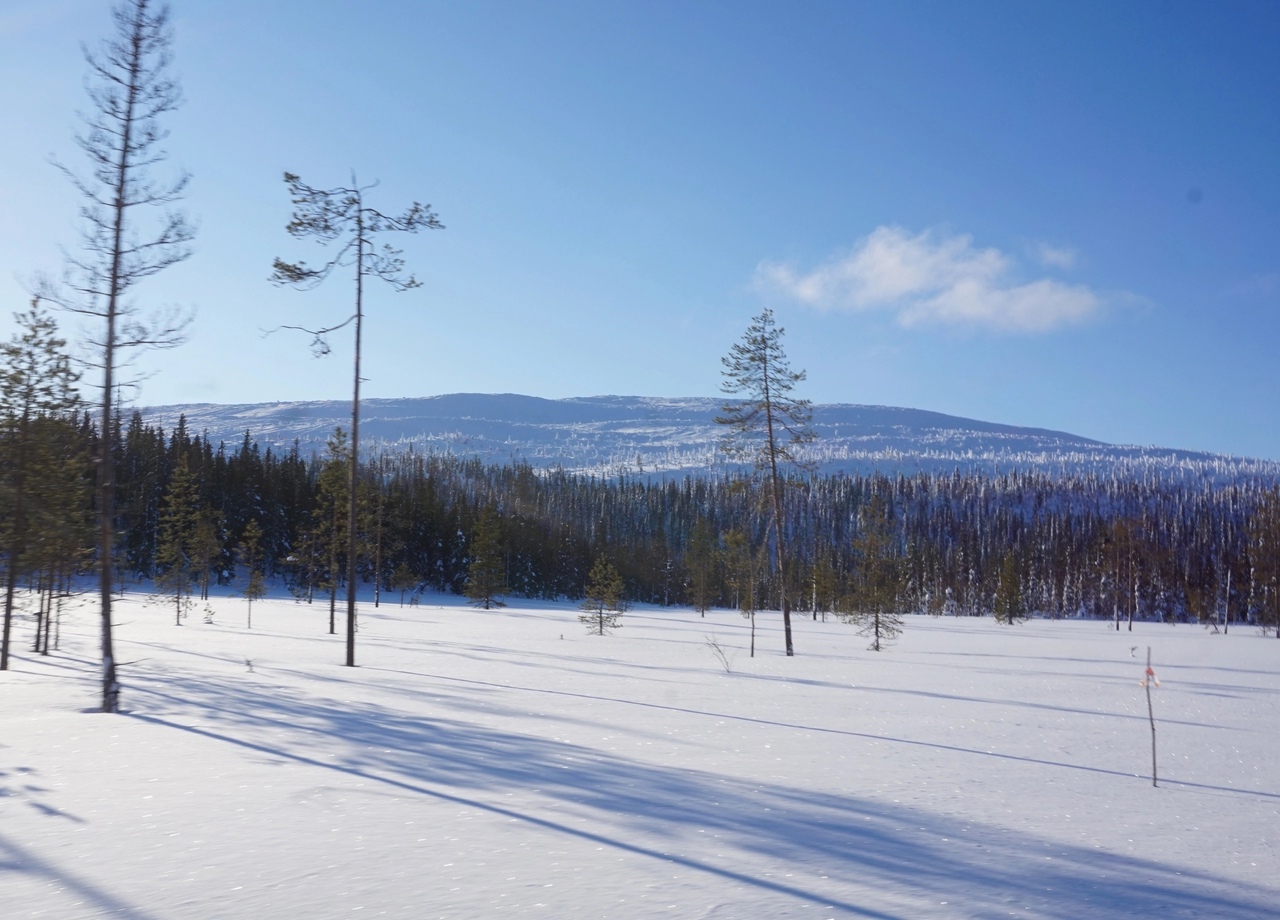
(609, 435)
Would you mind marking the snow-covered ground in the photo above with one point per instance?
(505, 763)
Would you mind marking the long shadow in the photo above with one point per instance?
(835, 731)
(13, 858)
(857, 844)
(991, 701)
(616, 843)
(1097, 661)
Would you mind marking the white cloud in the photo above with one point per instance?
(1056, 256)
(928, 278)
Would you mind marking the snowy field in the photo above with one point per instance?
(507, 764)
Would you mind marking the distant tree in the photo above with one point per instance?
(36, 383)
(58, 508)
(179, 515)
(486, 574)
(1010, 606)
(700, 564)
(766, 424)
(742, 568)
(825, 583)
(602, 602)
(130, 91)
(249, 555)
(340, 215)
(872, 604)
(403, 578)
(1264, 556)
(330, 536)
(206, 548)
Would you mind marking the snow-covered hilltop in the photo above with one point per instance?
(608, 435)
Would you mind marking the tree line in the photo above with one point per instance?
(189, 515)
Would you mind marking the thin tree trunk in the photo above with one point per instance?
(355, 442)
(1148, 680)
(777, 521)
(18, 545)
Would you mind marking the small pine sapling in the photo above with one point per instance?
(602, 604)
(249, 555)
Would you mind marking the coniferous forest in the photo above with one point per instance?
(1011, 546)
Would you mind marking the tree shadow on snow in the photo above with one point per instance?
(668, 815)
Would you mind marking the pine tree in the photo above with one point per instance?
(742, 569)
(249, 555)
(700, 564)
(872, 605)
(36, 383)
(486, 574)
(603, 598)
(340, 215)
(766, 425)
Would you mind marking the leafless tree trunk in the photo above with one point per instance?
(340, 215)
(130, 89)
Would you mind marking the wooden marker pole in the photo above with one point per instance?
(1147, 680)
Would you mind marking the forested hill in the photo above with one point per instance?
(609, 435)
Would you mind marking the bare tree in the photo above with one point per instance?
(130, 91)
(766, 424)
(340, 216)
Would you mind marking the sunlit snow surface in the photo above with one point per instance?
(504, 763)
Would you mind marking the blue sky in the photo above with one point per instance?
(1064, 215)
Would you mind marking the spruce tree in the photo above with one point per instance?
(700, 564)
(329, 534)
(1010, 607)
(249, 555)
(486, 574)
(179, 516)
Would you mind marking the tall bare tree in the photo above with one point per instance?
(130, 91)
(341, 217)
(766, 424)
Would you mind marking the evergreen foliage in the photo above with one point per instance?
(1008, 606)
(179, 517)
(765, 424)
(486, 573)
(341, 216)
(951, 534)
(877, 581)
(37, 400)
(602, 600)
(249, 556)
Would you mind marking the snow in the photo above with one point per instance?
(505, 763)
(639, 436)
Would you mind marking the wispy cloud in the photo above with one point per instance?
(1050, 256)
(930, 278)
